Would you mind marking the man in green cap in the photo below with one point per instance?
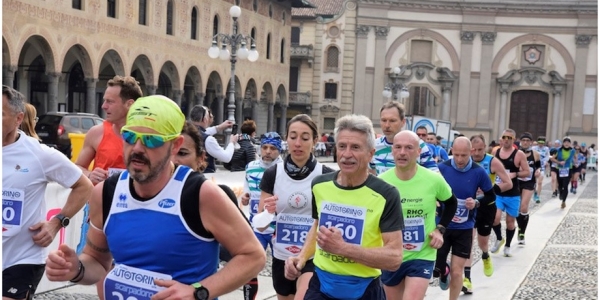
(158, 221)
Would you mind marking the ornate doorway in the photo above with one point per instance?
(529, 112)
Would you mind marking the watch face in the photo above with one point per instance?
(65, 222)
(201, 294)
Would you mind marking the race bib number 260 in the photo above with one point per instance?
(350, 220)
(12, 211)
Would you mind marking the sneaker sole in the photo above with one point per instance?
(466, 291)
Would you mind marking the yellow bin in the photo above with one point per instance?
(76, 144)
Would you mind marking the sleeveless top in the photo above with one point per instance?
(486, 164)
(153, 235)
(110, 150)
(509, 166)
(294, 211)
(532, 168)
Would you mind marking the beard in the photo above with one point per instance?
(153, 171)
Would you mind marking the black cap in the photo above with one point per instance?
(526, 135)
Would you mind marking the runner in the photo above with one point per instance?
(515, 164)
(465, 178)
(544, 153)
(392, 121)
(563, 158)
(357, 222)
(27, 168)
(420, 189)
(586, 155)
(284, 191)
(484, 219)
(576, 170)
(527, 185)
(554, 168)
(440, 153)
(134, 214)
(270, 148)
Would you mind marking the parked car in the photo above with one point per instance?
(54, 128)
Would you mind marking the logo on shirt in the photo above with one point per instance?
(166, 203)
(122, 201)
(298, 200)
(19, 169)
(293, 249)
(409, 246)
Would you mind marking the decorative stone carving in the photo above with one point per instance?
(488, 37)
(362, 30)
(381, 31)
(467, 36)
(583, 40)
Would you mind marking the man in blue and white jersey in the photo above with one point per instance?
(392, 120)
(544, 152)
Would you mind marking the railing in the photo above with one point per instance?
(300, 98)
(301, 51)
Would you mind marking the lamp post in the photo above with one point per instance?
(396, 89)
(235, 40)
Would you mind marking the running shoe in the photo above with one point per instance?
(497, 245)
(507, 252)
(444, 284)
(488, 267)
(574, 191)
(467, 287)
(563, 204)
(554, 194)
(521, 239)
(536, 197)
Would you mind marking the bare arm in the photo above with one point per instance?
(232, 231)
(80, 193)
(388, 257)
(498, 168)
(521, 160)
(88, 151)
(310, 244)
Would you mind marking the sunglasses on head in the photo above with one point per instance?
(541, 142)
(149, 140)
(507, 137)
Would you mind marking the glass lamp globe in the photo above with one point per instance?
(235, 11)
(213, 51)
(253, 54)
(224, 54)
(243, 52)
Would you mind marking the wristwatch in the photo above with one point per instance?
(201, 293)
(441, 229)
(64, 221)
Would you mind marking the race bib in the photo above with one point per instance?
(563, 172)
(12, 211)
(462, 213)
(528, 177)
(112, 171)
(413, 235)
(498, 180)
(129, 283)
(350, 220)
(254, 206)
(292, 229)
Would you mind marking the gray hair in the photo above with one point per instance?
(198, 113)
(358, 123)
(16, 100)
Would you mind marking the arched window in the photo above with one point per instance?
(269, 46)
(270, 11)
(253, 33)
(333, 54)
(282, 51)
(255, 5)
(215, 25)
(142, 12)
(194, 31)
(170, 17)
(283, 16)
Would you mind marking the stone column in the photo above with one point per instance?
(503, 106)
(360, 105)
(254, 109)
(199, 99)
(485, 79)
(8, 75)
(379, 78)
(220, 110)
(270, 116)
(91, 103)
(556, 111)
(581, 58)
(177, 96)
(53, 90)
(239, 111)
(446, 96)
(151, 90)
(283, 120)
(464, 83)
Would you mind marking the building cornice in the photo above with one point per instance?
(510, 8)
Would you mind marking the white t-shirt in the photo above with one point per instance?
(27, 167)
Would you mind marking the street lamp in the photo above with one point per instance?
(396, 89)
(234, 40)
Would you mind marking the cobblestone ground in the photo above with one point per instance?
(568, 267)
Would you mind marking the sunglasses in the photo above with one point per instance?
(422, 134)
(149, 140)
(506, 137)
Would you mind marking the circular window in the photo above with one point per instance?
(334, 31)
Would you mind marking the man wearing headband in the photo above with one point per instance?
(527, 185)
(155, 219)
(270, 150)
(563, 158)
(544, 153)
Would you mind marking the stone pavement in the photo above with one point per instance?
(560, 260)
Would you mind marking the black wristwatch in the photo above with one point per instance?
(441, 229)
(64, 221)
(201, 293)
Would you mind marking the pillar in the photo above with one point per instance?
(270, 117)
(558, 90)
(446, 95)
(464, 83)
(379, 77)
(177, 96)
(151, 90)
(360, 105)
(485, 79)
(91, 102)
(53, 77)
(283, 120)
(254, 109)
(8, 75)
(220, 110)
(581, 58)
(503, 107)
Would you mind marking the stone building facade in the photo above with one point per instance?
(60, 54)
(484, 66)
